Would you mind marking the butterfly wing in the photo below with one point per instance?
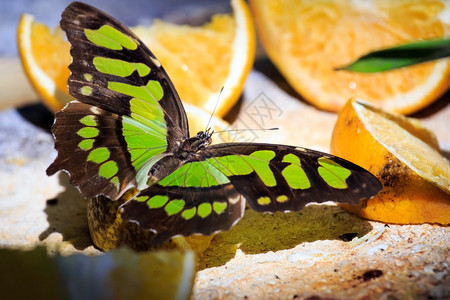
(170, 211)
(207, 194)
(286, 178)
(127, 114)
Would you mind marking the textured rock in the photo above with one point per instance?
(296, 255)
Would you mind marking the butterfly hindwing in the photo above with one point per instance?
(175, 210)
(270, 177)
(125, 87)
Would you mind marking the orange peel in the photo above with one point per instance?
(403, 155)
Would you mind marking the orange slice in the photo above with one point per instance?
(45, 58)
(403, 155)
(199, 60)
(307, 40)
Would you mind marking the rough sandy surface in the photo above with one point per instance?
(303, 254)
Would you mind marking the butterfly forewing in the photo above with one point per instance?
(286, 178)
(123, 86)
(111, 65)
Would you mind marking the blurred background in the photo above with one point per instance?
(131, 12)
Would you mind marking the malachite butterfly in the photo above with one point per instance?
(128, 131)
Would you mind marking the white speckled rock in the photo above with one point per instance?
(279, 256)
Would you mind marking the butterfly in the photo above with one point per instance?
(127, 130)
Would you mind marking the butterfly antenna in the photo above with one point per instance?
(214, 110)
(248, 129)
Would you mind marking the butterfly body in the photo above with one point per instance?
(186, 151)
(128, 130)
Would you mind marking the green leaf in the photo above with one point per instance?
(401, 56)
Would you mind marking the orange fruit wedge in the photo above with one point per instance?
(403, 155)
(307, 40)
(199, 60)
(45, 59)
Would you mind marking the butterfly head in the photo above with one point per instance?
(201, 140)
(192, 145)
(205, 136)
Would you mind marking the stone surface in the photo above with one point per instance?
(294, 255)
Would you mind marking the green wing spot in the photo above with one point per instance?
(230, 165)
(86, 90)
(99, 155)
(142, 69)
(145, 132)
(204, 210)
(88, 132)
(219, 207)
(115, 181)
(174, 206)
(195, 174)
(333, 173)
(152, 91)
(111, 38)
(291, 158)
(188, 214)
(88, 77)
(282, 198)
(267, 155)
(155, 89)
(150, 114)
(263, 201)
(141, 198)
(119, 67)
(261, 167)
(157, 201)
(86, 144)
(88, 120)
(258, 161)
(177, 178)
(293, 174)
(108, 169)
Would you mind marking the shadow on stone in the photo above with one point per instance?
(38, 115)
(261, 233)
(66, 215)
(437, 106)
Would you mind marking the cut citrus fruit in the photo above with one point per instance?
(403, 155)
(307, 40)
(199, 60)
(45, 58)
